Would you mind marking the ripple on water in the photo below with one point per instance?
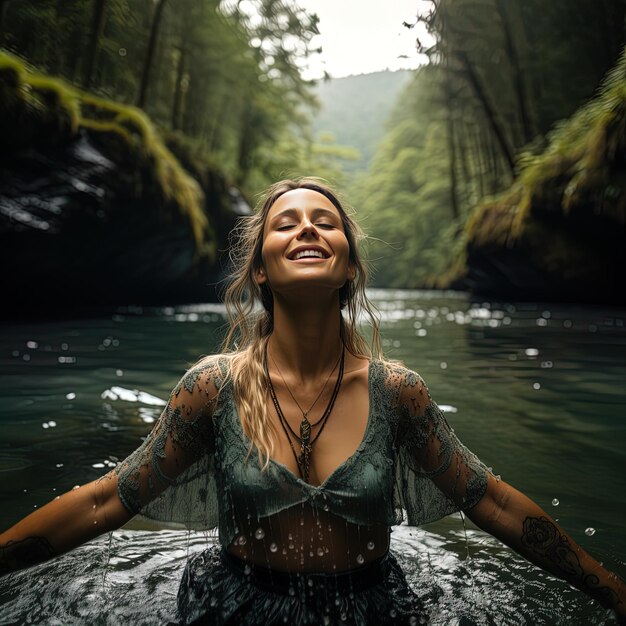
(98, 585)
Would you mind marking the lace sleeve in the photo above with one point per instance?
(170, 477)
(436, 474)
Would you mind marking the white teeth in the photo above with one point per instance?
(308, 253)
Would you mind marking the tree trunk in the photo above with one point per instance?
(154, 33)
(490, 114)
(518, 77)
(179, 88)
(97, 23)
(454, 200)
(3, 12)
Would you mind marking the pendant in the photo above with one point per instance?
(305, 431)
(305, 449)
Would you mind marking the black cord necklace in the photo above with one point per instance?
(306, 443)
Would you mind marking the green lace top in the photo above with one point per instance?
(192, 467)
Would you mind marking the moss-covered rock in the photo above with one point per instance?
(558, 232)
(94, 207)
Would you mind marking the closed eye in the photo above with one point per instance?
(285, 226)
(326, 226)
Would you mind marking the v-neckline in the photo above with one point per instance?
(342, 466)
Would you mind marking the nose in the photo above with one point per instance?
(307, 229)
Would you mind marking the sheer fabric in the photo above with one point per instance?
(192, 469)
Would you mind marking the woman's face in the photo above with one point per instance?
(304, 244)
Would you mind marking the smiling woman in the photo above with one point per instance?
(303, 446)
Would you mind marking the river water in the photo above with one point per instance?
(535, 390)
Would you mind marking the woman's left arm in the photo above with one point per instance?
(524, 526)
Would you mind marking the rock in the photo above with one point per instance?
(103, 214)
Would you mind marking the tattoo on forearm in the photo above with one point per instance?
(543, 538)
(16, 555)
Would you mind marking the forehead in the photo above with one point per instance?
(301, 200)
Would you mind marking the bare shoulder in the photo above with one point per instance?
(356, 368)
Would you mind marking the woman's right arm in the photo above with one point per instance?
(63, 524)
(181, 436)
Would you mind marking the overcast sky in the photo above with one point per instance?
(363, 36)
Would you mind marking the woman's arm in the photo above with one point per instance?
(63, 524)
(524, 526)
(182, 435)
(433, 452)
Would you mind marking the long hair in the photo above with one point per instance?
(250, 310)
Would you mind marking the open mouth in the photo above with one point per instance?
(308, 253)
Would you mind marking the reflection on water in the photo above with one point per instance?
(535, 390)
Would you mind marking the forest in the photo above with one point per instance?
(501, 169)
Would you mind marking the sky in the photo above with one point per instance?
(363, 36)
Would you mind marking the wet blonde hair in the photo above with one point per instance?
(250, 312)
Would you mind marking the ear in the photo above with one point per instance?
(351, 272)
(260, 276)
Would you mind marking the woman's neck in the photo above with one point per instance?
(306, 339)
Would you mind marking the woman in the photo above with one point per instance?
(303, 447)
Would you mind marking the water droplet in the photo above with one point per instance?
(359, 559)
(371, 545)
(291, 546)
(75, 487)
(292, 591)
(247, 570)
(536, 386)
(320, 552)
(58, 498)
(119, 373)
(242, 540)
(95, 522)
(393, 613)
(70, 396)
(213, 601)
(310, 552)
(343, 616)
(94, 506)
(259, 533)
(284, 550)
(531, 352)
(309, 582)
(555, 502)
(326, 507)
(273, 547)
(590, 532)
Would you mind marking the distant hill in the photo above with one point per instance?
(354, 109)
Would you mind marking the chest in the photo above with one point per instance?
(333, 437)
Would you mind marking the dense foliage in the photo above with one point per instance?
(224, 76)
(499, 75)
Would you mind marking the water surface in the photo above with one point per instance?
(536, 390)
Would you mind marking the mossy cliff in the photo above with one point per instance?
(558, 233)
(94, 207)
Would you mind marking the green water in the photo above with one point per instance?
(536, 390)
